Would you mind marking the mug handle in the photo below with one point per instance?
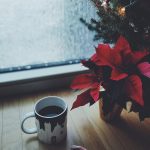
(25, 130)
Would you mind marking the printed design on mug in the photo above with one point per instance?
(52, 130)
(53, 121)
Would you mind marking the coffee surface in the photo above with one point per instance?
(50, 111)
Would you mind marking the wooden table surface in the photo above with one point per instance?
(84, 127)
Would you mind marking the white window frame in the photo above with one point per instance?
(34, 80)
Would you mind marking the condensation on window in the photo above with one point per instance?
(44, 32)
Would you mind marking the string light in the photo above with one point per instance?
(122, 10)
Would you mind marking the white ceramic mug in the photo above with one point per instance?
(50, 129)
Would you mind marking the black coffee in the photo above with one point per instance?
(50, 111)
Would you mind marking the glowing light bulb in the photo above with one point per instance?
(122, 11)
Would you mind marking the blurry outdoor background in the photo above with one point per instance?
(44, 31)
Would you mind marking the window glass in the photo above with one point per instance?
(36, 32)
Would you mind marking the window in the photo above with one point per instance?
(37, 33)
(42, 33)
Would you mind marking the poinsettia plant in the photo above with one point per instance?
(122, 72)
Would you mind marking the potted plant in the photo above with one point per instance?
(122, 70)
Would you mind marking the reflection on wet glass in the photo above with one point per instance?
(41, 31)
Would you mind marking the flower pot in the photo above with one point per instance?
(111, 115)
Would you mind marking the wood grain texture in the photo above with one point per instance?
(11, 137)
(85, 127)
(1, 123)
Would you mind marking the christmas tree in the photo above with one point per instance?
(129, 18)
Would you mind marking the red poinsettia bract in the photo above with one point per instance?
(119, 59)
(123, 63)
(144, 68)
(89, 82)
(133, 89)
